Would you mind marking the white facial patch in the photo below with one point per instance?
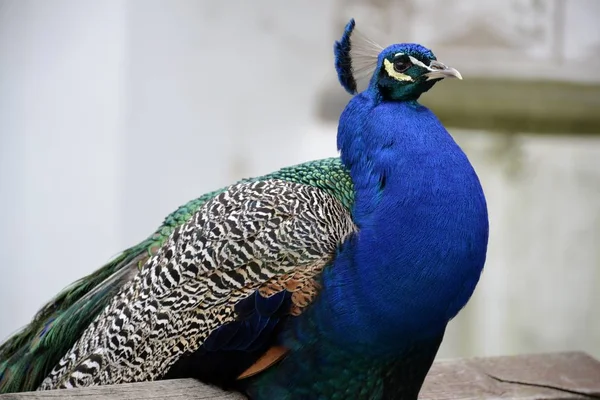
(415, 61)
(419, 63)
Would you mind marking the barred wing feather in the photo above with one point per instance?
(264, 236)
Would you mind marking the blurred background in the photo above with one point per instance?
(115, 112)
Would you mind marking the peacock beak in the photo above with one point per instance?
(441, 71)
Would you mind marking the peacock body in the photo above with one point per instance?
(331, 279)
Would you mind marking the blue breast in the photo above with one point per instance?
(423, 227)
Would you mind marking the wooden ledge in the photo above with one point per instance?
(523, 377)
(462, 379)
(500, 105)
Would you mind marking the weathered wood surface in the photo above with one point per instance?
(497, 377)
(500, 105)
(188, 389)
(465, 379)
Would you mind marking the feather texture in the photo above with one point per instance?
(27, 357)
(252, 236)
(355, 57)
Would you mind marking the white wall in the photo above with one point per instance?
(217, 92)
(62, 70)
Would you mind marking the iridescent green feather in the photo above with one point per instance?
(28, 356)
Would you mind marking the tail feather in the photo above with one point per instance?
(28, 356)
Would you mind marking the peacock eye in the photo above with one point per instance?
(401, 65)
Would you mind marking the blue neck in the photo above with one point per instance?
(422, 222)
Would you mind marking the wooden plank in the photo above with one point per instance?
(490, 378)
(500, 105)
(188, 389)
(497, 377)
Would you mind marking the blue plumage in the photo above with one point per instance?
(331, 279)
(419, 250)
(343, 60)
(406, 169)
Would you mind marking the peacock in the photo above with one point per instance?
(331, 279)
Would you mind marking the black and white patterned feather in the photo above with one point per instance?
(253, 236)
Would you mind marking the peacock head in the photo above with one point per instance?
(399, 72)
